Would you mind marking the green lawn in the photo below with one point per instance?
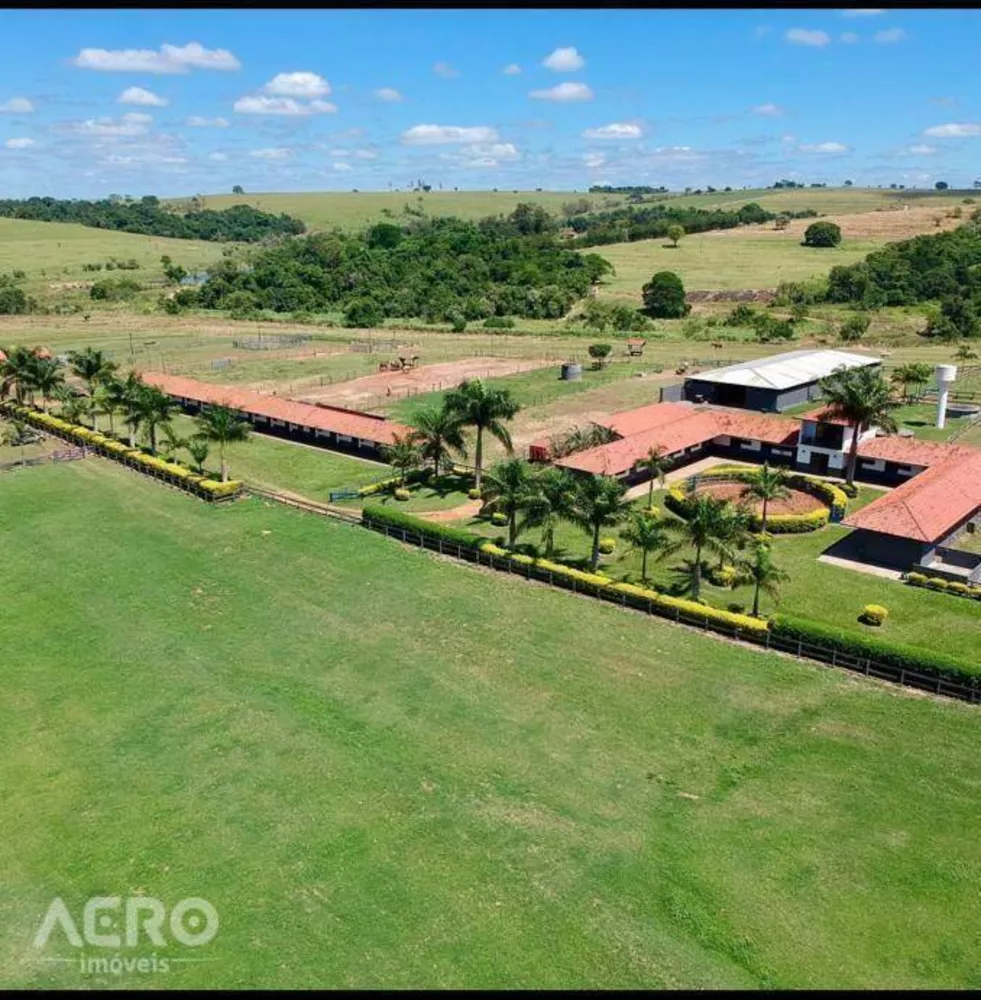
(384, 769)
(815, 590)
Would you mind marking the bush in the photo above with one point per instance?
(13, 301)
(473, 493)
(363, 313)
(883, 651)
(915, 579)
(664, 296)
(722, 576)
(114, 290)
(854, 328)
(498, 323)
(740, 315)
(607, 546)
(401, 493)
(873, 614)
(499, 519)
(376, 515)
(822, 234)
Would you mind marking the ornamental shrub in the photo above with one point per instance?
(474, 493)
(499, 519)
(607, 545)
(874, 614)
(402, 494)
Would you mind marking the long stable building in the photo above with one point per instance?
(334, 427)
(938, 486)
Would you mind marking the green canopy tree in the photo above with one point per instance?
(915, 374)
(476, 405)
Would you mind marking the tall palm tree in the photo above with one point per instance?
(45, 379)
(701, 529)
(73, 408)
(438, 432)
(131, 393)
(655, 463)
(155, 408)
(485, 409)
(173, 442)
(599, 502)
(93, 368)
(219, 425)
(761, 572)
(860, 396)
(509, 487)
(403, 455)
(17, 373)
(767, 484)
(646, 534)
(917, 374)
(110, 397)
(549, 502)
(734, 528)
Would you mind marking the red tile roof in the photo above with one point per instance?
(352, 423)
(911, 451)
(930, 506)
(821, 415)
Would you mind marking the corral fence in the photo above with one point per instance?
(934, 684)
(61, 455)
(271, 342)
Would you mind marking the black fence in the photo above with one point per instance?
(932, 683)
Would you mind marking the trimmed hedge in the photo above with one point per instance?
(954, 587)
(377, 514)
(883, 651)
(133, 457)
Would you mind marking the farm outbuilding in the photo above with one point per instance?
(771, 384)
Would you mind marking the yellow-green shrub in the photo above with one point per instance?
(607, 545)
(874, 614)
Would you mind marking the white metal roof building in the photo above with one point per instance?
(774, 383)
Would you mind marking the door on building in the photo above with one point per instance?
(819, 463)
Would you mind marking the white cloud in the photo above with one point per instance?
(137, 95)
(218, 157)
(141, 159)
(445, 70)
(389, 94)
(823, 147)
(615, 130)
(862, 12)
(301, 84)
(129, 125)
(17, 106)
(275, 153)
(889, 36)
(918, 149)
(565, 60)
(196, 121)
(953, 130)
(169, 59)
(564, 92)
(19, 143)
(139, 117)
(802, 36)
(848, 38)
(494, 150)
(512, 69)
(435, 135)
(261, 105)
(768, 110)
(358, 154)
(341, 166)
(594, 160)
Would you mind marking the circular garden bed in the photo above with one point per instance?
(799, 501)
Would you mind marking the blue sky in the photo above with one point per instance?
(183, 102)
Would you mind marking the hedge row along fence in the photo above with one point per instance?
(938, 583)
(910, 666)
(777, 524)
(907, 665)
(171, 472)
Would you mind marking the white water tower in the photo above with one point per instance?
(945, 375)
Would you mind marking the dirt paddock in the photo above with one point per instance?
(798, 502)
(426, 378)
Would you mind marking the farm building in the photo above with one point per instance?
(771, 384)
(312, 423)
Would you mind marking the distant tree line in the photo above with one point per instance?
(654, 221)
(148, 216)
(629, 189)
(440, 270)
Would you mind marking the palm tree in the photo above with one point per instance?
(654, 463)
(762, 573)
(646, 534)
(73, 408)
(701, 529)
(965, 353)
(549, 502)
(484, 409)
(438, 432)
(155, 408)
(220, 425)
(860, 396)
(734, 528)
(45, 379)
(131, 393)
(110, 397)
(93, 368)
(173, 442)
(17, 373)
(509, 488)
(198, 449)
(599, 502)
(911, 374)
(403, 455)
(768, 483)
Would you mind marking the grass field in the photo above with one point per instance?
(385, 770)
(52, 253)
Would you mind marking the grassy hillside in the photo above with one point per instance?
(54, 252)
(387, 770)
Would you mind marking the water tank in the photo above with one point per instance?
(571, 371)
(945, 375)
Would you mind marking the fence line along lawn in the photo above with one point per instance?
(384, 769)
